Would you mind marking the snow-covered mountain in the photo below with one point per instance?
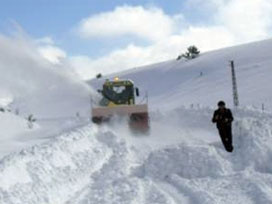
(207, 79)
(180, 161)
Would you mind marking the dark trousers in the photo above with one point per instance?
(225, 133)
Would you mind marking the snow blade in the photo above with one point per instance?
(138, 115)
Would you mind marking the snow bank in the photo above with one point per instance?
(10, 120)
(12, 126)
(187, 161)
(254, 139)
(54, 171)
(244, 187)
(95, 165)
(84, 166)
(206, 173)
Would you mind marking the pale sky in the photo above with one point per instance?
(102, 36)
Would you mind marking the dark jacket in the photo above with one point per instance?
(222, 118)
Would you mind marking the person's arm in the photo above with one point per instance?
(215, 117)
(229, 118)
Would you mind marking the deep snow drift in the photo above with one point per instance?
(107, 165)
(65, 159)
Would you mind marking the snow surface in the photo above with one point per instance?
(64, 159)
(108, 165)
(30, 85)
(174, 83)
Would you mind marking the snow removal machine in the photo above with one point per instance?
(119, 99)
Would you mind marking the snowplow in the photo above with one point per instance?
(119, 99)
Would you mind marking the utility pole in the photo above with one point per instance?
(234, 85)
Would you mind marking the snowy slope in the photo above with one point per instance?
(180, 161)
(8, 135)
(31, 85)
(174, 83)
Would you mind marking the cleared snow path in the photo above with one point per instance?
(181, 161)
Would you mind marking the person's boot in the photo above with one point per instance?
(230, 148)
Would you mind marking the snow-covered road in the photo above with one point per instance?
(181, 161)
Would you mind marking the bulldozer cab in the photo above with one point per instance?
(118, 98)
(118, 92)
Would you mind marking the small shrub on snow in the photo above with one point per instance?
(30, 120)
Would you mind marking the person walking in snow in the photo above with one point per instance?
(223, 119)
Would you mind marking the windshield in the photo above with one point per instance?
(119, 89)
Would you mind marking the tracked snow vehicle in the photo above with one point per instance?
(118, 98)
